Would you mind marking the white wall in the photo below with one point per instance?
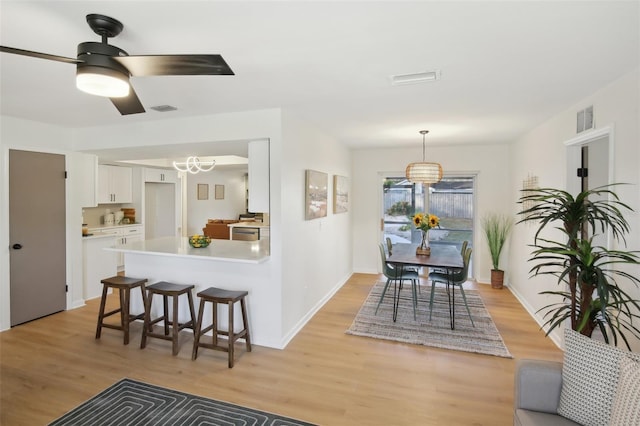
(490, 164)
(230, 207)
(542, 153)
(32, 136)
(316, 253)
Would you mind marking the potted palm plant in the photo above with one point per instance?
(496, 230)
(590, 295)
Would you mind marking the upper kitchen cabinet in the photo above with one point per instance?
(259, 176)
(83, 171)
(114, 184)
(160, 175)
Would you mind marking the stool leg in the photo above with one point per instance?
(247, 339)
(231, 334)
(103, 301)
(175, 327)
(147, 320)
(165, 301)
(144, 302)
(196, 331)
(126, 315)
(214, 308)
(123, 314)
(191, 311)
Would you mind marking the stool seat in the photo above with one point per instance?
(170, 288)
(123, 285)
(229, 297)
(222, 296)
(171, 328)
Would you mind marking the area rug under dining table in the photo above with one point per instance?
(484, 338)
(130, 402)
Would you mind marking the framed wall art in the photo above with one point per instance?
(316, 189)
(219, 192)
(340, 194)
(203, 191)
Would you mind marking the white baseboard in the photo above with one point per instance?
(555, 335)
(304, 320)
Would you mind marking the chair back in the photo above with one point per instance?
(387, 270)
(465, 243)
(389, 246)
(461, 276)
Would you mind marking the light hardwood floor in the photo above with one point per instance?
(324, 376)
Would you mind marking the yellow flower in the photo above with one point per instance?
(425, 222)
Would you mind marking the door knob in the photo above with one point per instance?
(17, 246)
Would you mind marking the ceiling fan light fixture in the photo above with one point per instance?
(101, 81)
(423, 171)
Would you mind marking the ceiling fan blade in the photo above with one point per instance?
(39, 55)
(129, 104)
(175, 65)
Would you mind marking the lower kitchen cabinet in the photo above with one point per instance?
(97, 264)
(123, 234)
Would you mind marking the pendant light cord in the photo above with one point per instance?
(424, 149)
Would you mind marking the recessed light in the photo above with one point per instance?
(414, 78)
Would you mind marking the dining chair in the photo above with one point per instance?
(406, 268)
(463, 248)
(392, 274)
(458, 278)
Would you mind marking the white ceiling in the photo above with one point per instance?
(505, 66)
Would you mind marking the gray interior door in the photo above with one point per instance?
(37, 234)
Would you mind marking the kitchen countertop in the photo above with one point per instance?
(122, 225)
(248, 225)
(221, 250)
(94, 235)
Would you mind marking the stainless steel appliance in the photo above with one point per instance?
(245, 234)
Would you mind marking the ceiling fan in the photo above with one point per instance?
(104, 70)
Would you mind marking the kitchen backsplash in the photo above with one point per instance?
(94, 216)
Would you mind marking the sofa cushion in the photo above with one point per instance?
(626, 404)
(589, 379)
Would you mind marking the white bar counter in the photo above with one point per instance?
(223, 250)
(226, 264)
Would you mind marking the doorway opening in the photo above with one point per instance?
(452, 200)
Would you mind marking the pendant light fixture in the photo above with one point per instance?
(193, 165)
(424, 172)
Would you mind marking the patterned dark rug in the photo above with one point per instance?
(129, 402)
(484, 338)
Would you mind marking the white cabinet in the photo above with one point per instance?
(83, 170)
(128, 234)
(114, 184)
(160, 175)
(259, 176)
(122, 235)
(97, 264)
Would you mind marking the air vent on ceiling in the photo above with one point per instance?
(414, 78)
(163, 108)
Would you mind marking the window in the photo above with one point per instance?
(451, 199)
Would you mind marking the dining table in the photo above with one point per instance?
(443, 256)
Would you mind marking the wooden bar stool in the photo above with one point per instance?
(215, 296)
(167, 290)
(124, 286)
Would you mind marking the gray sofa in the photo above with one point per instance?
(537, 393)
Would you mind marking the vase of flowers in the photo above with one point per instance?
(424, 222)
